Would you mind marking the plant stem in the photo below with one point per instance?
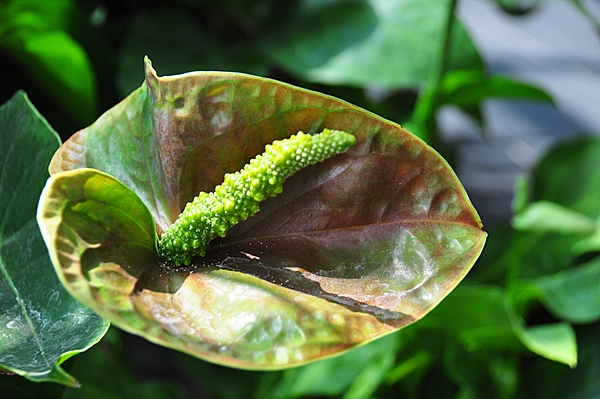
(424, 113)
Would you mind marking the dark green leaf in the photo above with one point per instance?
(41, 325)
(385, 43)
(176, 42)
(105, 374)
(409, 365)
(532, 254)
(16, 387)
(216, 380)
(481, 374)
(320, 31)
(517, 7)
(355, 247)
(36, 34)
(483, 322)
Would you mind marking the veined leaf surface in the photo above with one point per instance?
(41, 325)
(354, 248)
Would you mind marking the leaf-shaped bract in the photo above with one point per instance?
(355, 247)
(41, 325)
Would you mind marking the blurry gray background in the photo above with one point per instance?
(553, 47)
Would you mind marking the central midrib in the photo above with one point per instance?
(22, 306)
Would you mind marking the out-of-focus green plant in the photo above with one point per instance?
(37, 34)
(525, 321)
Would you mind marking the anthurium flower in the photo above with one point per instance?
(355, 247)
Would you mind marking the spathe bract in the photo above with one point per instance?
(354, 248)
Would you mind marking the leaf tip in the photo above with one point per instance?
(151, 78)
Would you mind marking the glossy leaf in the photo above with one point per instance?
(393, 43)
(41, 325)
(355, 247)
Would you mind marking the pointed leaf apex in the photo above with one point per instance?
(151, 78)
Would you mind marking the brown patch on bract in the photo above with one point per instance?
(70, 155)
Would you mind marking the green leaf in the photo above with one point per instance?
(384, 43)
(568, 178)
(355, 374)
(216, 380)
(562, 382)
(467, 88)
(354, 248)
(517, 7)
(409, 365)
(483, 322)
(588, 244)
(371, 376)
(36, 34)
(488, 321)
(573, 294)
(549, 217)
(554, 341)
(481, 374)
(532, 254)
(568, 175)
(522, 193)
(317, 31)
(41, 324)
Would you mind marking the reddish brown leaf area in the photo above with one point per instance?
(367, 241)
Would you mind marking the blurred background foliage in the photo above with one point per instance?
(523, 324)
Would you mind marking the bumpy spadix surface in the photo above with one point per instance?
(353, 248)
(212, 214)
